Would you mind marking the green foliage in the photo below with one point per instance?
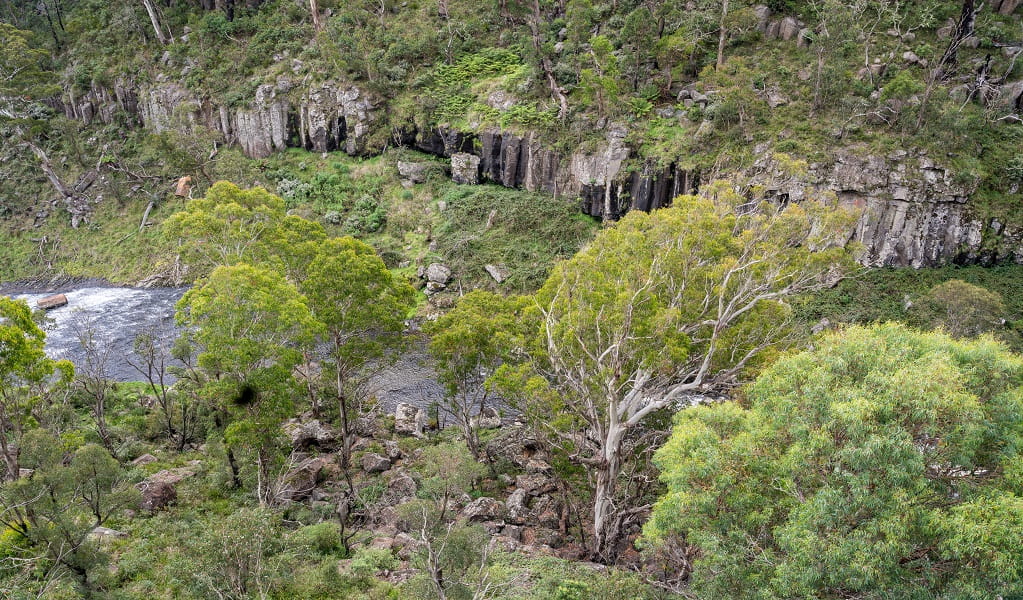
(451, 82)
(468, 343)
(880, 295)
(323, 538)
(24, 78)
(660, 307)
(853, 469)
(28, 378)
(961, 309)
(902, 86)
(55, 510)
(523, 232)
(367, 216)
(367, 562)
(251, 327)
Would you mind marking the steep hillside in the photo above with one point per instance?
(615, 106)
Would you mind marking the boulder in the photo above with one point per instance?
(145, 459)
(158, 496)
(910, 57)
(416, 172)
(438, 273)
(513, 531)
(375, 463)
(392, 449)
(409, 420)
(106, 533)
(535, 483)
(805, 37)
(400, 487)
(492, 527)
(300, 482)
(465, 168)
(546, 512)
(763, 14)
(308, 434)
(55, 301)
(542, 536)
(536, 465)
(483, 509)
(518, 507)
(171, 476)
(789, 28)
(776, 99)
(487, 419)
(499, 273)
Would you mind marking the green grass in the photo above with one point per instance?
(524, 232)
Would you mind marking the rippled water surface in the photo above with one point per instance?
(117, 314)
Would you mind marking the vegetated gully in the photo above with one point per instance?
(114, 316)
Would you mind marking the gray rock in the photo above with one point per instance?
(416, 172)
(789, 28)
(438, 273)
(501, 100)
(487, 419)
(776, 99)
(910, 57)
(307, 434)
(518, 506)
(145, 459)
(392, 449)
(483, 509)
(763, 14)
(465, 168)
(804, 38)
(300, 482)
(499, 273)
(375, 463)
(106, 533)
(409, 420)
(157, 496)
(400, 487)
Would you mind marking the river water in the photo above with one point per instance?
(116, 315)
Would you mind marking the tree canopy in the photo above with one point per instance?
(658, 310)
(885, 463)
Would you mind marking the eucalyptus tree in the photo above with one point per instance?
(884, 463)
(361, 307)
(658, 312)
(28, 378)
(251, 326)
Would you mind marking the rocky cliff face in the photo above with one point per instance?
(321, 118)
(915, 212)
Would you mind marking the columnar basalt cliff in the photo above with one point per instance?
(915, 211)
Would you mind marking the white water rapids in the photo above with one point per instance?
(116, 315)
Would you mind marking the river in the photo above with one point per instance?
(116, 315)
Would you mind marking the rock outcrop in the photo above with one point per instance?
(915, 211)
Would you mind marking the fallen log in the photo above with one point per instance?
(52, 302)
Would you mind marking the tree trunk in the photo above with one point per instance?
(10, 457)
(76, 204)
(963, 30)
(722, 35)
(605, 519)
(315, 10)
(155, 20)
(534, 27)
(236, 480)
